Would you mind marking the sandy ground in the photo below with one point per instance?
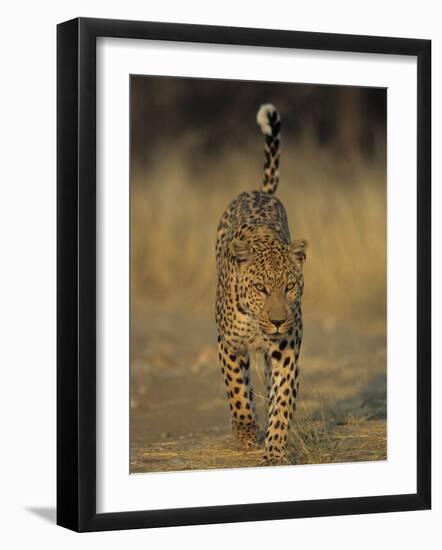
(180, 418)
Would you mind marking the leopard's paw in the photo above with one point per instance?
(272, 458)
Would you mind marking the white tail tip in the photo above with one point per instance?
(262, 118)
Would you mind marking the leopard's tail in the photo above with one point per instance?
(270, 124)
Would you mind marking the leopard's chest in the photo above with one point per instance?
(246, 334)
(257, 342)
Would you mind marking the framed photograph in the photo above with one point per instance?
(243, 274)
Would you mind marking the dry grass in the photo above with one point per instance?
(338, 203)
(309, 443)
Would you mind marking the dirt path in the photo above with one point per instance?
(180, 417)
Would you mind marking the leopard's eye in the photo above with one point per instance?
(260, 287)
(289, 287)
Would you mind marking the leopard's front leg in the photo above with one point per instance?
(281, 359)
(235, 367)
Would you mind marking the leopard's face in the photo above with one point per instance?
(270, 284)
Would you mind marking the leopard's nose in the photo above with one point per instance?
(277, 322)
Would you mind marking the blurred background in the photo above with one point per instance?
(195, 146)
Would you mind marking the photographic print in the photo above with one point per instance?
(258, 274)
(222, 274)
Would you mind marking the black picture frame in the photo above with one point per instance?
(76, 273)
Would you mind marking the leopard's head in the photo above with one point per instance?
(270, 280)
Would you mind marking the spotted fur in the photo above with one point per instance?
(258, 302)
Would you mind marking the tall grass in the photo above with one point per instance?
(335, 199)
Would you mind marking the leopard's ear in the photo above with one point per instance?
(297, 251)
(241, 250)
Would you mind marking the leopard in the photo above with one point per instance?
(260, 284)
